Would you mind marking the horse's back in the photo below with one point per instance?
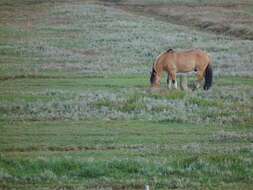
(191, 60)
(182, 61)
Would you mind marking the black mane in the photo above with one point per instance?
(170, 50)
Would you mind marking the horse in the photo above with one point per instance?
(182, 62)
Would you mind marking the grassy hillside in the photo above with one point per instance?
(87, 39)
(229, 17)
(76, 111)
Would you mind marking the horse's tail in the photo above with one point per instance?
(208, 77)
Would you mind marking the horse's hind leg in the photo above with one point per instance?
(183, 82)
(200, 77)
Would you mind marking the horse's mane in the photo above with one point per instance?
(170, 51)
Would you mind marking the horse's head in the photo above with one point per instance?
(154, 79)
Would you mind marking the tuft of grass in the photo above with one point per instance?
(170, 94)
(206, 102)
(223, 136)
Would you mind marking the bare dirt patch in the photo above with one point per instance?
(71, 148)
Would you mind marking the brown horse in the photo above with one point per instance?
(182, 62)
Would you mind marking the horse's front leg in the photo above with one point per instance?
(174, 80)
(168, 81)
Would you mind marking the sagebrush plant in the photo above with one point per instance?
(219, 106)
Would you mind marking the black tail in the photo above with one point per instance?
(208, 77)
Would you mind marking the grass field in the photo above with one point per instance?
(76, 111)
(229, 17)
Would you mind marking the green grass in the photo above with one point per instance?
(115, 153)
(77, 111)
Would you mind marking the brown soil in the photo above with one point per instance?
(70, 148)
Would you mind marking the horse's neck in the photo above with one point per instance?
(159, 68)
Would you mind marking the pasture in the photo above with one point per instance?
(76, 111)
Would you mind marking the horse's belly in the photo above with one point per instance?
(184, 68)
